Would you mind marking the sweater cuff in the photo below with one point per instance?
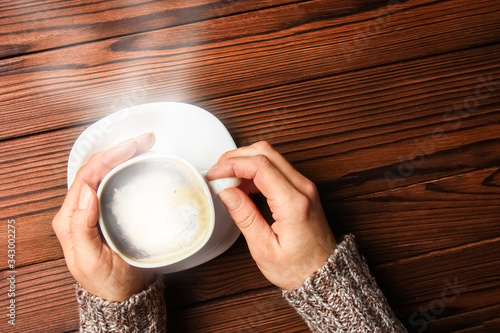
(342, 296)
(142, 312)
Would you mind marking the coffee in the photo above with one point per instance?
(156, 210)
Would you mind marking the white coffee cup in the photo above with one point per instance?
(156, 209)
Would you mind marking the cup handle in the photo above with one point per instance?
(218, 185)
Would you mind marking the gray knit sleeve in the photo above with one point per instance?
(342, 296)
(142, 312)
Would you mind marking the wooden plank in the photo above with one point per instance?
(231, 273)
(477, 268)
(45, 299)
(397, 235)
(42, 25)
(447, 283)
(33, 187)
(477, 272)
(485, 327)
(352, 133)
(347, 91)
(224, 275)
(45, 292)
(263, 311)
(345, 156)
(422, 218)
(245, 52)
(476, 321)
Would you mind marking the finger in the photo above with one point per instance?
(266, 177)
(101, 163)
(144, 143)
(248, 186)
(61, 228)
(83, 225)
(259, 235)
(95, 156)
(264, 148)
(69, 221)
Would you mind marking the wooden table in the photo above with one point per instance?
(391, 107)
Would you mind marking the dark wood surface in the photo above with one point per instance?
(391, 107)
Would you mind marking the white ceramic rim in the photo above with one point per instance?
(151, 156)
(162, 118)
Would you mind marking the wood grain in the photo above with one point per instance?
(45, 299)
(33, 171)
(50, 284)
(391, 108)
(43, 25)
(179, 63)
(264, 311)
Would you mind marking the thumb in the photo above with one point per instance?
(259, 235)
(83, 225)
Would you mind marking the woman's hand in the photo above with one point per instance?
(93, 264)
(300, 240)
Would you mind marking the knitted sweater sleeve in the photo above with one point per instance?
(342, 296)
(142, 312)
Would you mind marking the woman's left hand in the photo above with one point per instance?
(90, 260)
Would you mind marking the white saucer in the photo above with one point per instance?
(180, 129)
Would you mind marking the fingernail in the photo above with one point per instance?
(145, 142)
(230, 198)
(144, 136)
(85, 197)
(213, 167)
(125, 143)
(119, 153)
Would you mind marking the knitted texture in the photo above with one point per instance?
(342, 296)
(142, 312)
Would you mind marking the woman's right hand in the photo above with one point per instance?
(299, 241)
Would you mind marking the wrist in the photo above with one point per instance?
(119, 290)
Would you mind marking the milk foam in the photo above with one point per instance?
(162, 210)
